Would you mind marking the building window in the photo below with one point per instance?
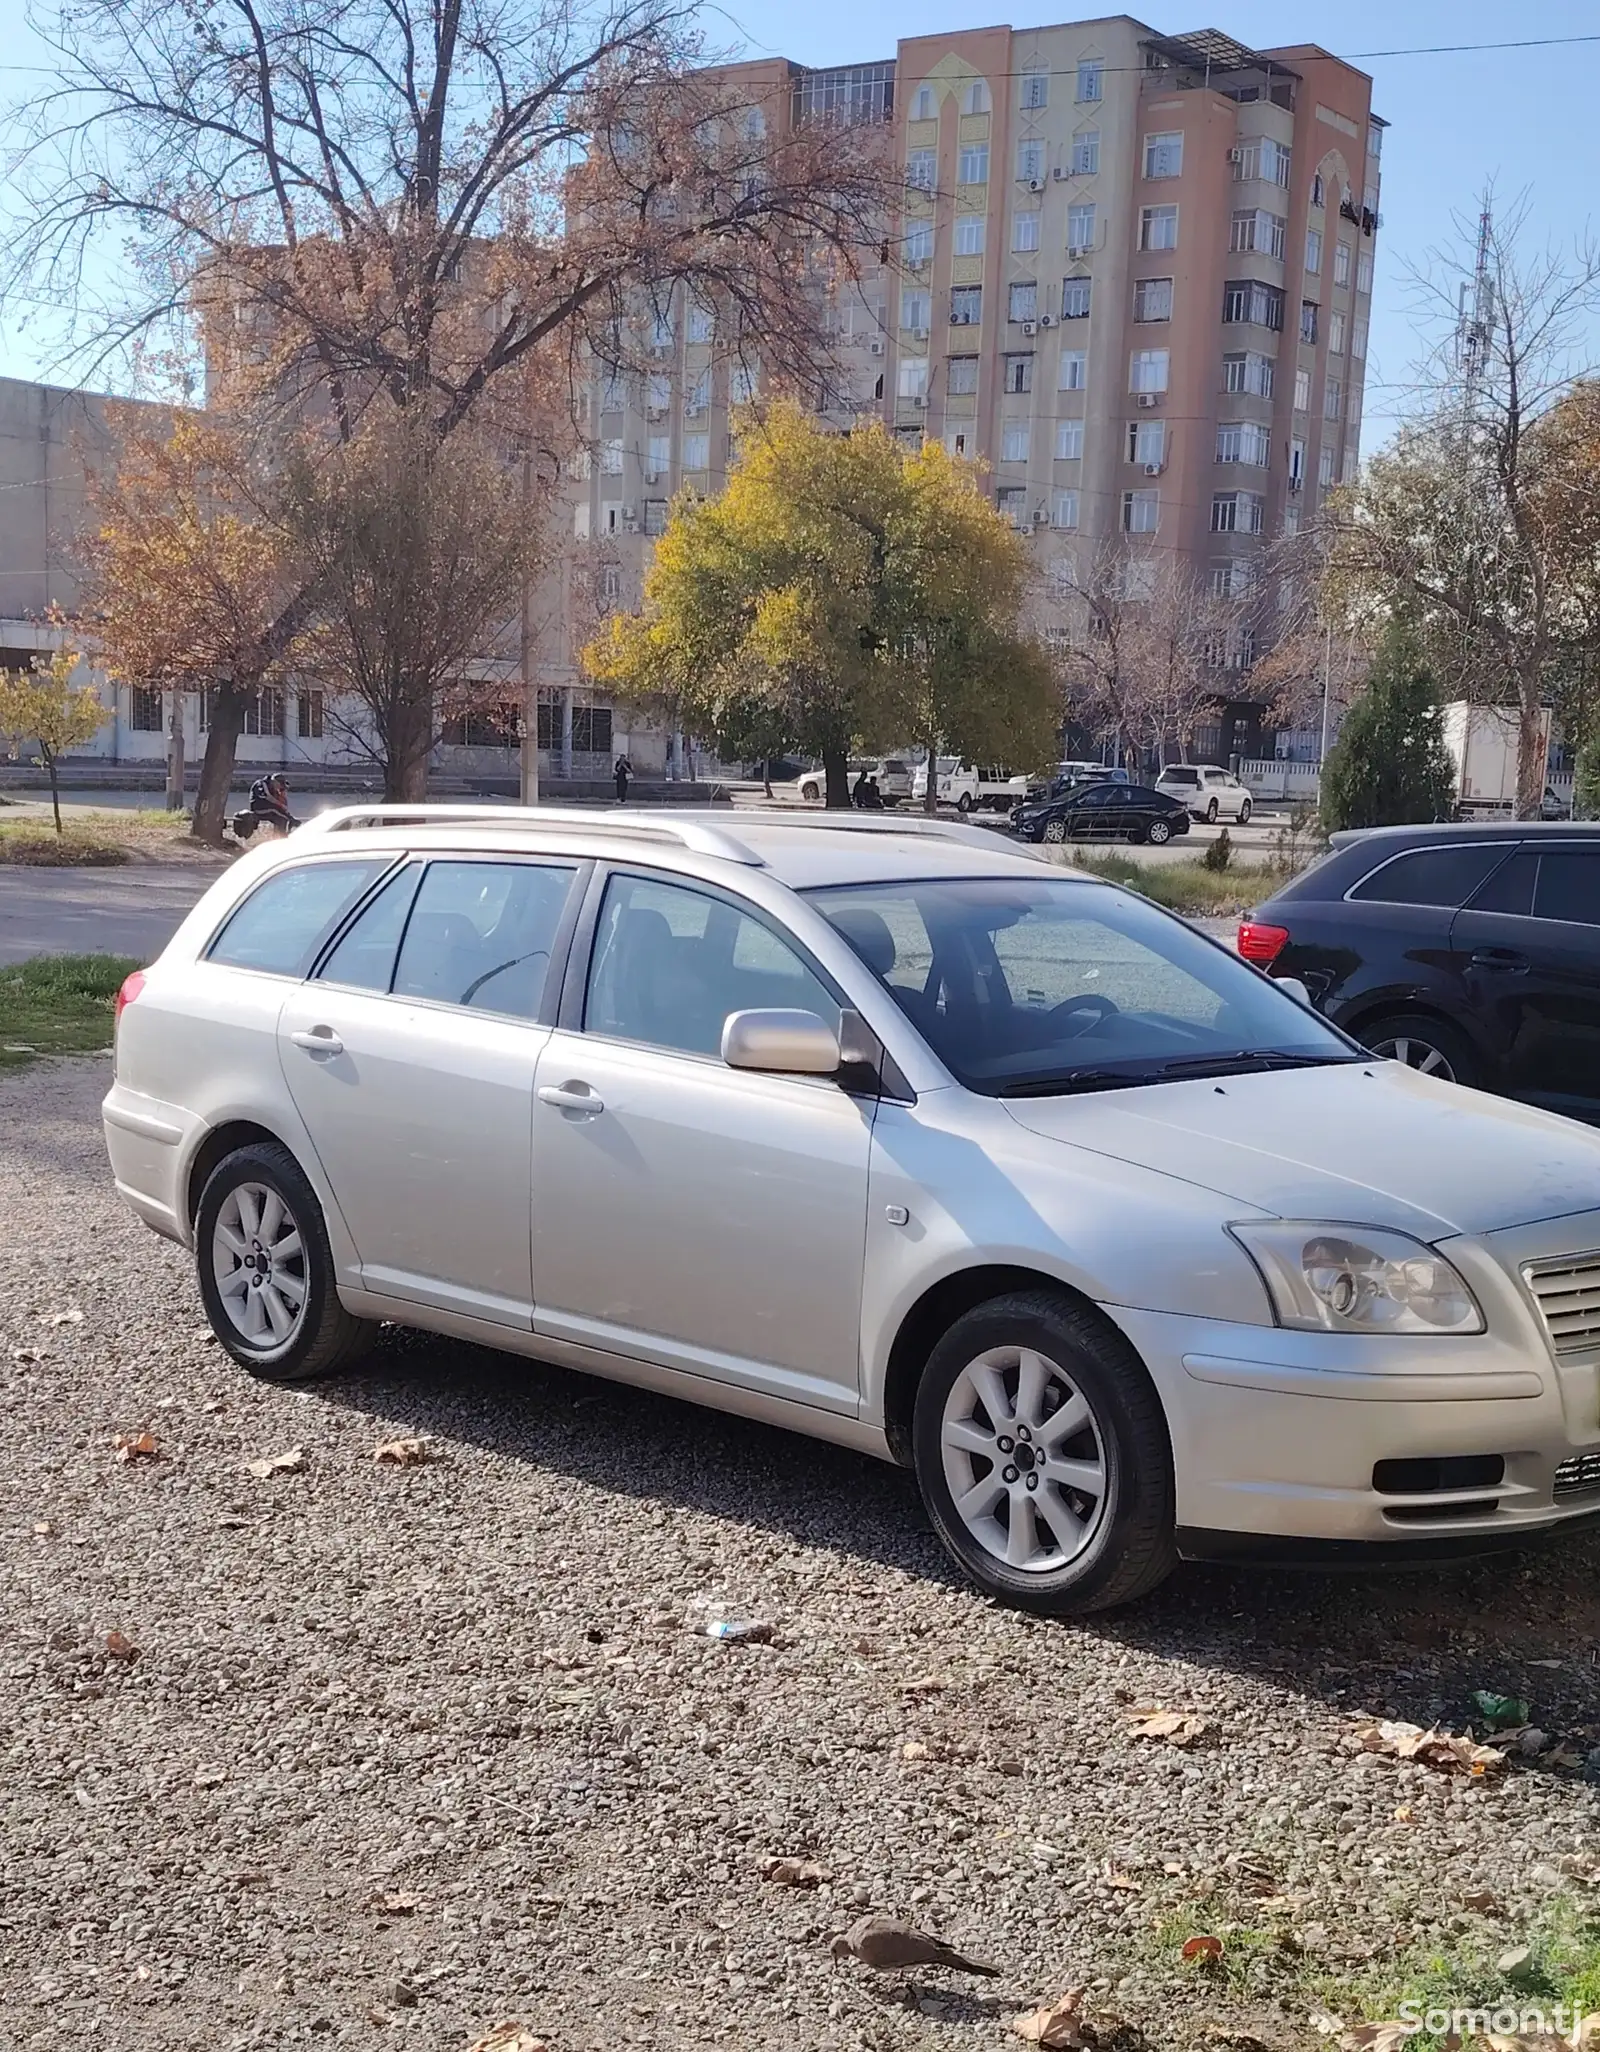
(1014, 442)
(966, 305)
(657, 394)
(1313, 249)
(1358, 339)
(1141, 512)
(611, 457)
(1363, 273)
(610, 584)
(977, 98)
(702, 323)
(1336, 333)
(1069, 440)
(956, 443)
(1089, 81)
(918, 245)
(1073, 375)
(1152, 299)
(1332, 399)
(1318, 190)
(1374, 139)
(308, 714)
(1011, 502)
(1254, 229)
(144, 710)
(1242, 441)
(1297, 462)
(661, 333)
(1325, 463)
(1086, 153)
(922, 170)
(1030, 162)
(655, 516)
(1036, 89)
(742, 381)
(1341, 263)
(1075, 298)
(1080, 226)
(913, 377)
(961, 374)
(613, 393)
(1019, 373)
(1232, 580)
(1064, 509)
(1147, 442)
(1024, 232)
(697, 452)
(1302, 389)
(969, 238)
(916, 309)
(1022, 301)
(1265, 159)
(1237, 512)
(972, 167)
(1158, 227)
(1147, 370)
(1248, 372)
(1291, 519)
(697, 396)
(923, 107)
(1308, 320)
(658, 455)
(1246, 299)
(263, 714)
(1163, 156)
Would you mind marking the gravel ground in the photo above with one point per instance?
(405, 1750)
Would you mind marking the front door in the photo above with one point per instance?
(411, 1057)
(689, 1214)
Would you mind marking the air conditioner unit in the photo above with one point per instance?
(920, 401)
(1147, 400)
(1154, 469)
(920, 334)
(1047, 320)
(1236, 156)
(1028, 327)
(628, 513)
(1036, 185)
(1080, 249)
(652, 477)
(1060, 174)
(1297, 484)
(876, 346)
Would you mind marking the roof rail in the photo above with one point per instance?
(694, 833)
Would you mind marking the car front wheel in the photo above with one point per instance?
(1055, 830)
(266, 1269)
(1043, 1459)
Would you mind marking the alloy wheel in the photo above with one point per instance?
(1023, 1459)
(1160, 832)
(259, 1260)
(1055, 830)
(1414, 1053)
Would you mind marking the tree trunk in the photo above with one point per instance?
(55, 789)
(836, 772)
(410, 738)
(1532, 751)
(216, 771)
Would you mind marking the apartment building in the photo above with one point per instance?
(1132, 279)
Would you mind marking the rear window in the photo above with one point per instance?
(1180, 776)
(281, 925)
(1569, 886)
(1444, 877)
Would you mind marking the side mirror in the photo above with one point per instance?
(781, 1043)
(1295, 989)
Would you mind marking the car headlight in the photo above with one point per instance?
(1346, 1278)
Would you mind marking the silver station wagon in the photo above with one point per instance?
(889, 1133)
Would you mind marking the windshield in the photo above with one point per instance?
(1040, 989)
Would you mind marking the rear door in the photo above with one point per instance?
(410, 1056)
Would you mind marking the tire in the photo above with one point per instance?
(1244, 813)
(1055, 831)
(322, 1336)
(812, 792)
(1433, 1047)
(1211, 813)
(1108, 1536)
(1158, 833)
(964, 802)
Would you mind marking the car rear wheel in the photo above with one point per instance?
(1042, 1455)
(1430, 1046)
(266, 1269)
(1211, 813)
(1158, 832)
(1244, 813)
(964, 802)
(1055, 830)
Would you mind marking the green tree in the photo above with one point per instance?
(838, 595)
(1586, 783)
(1389, 766)
(43, 705)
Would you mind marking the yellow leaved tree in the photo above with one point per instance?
(43, 705)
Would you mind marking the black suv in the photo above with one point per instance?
(1469, 952)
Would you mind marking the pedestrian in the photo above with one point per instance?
(858, 797)
(623, 774)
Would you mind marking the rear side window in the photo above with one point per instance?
(1510, 889)
(480, 934)
(283, 922)
(1569, 886)
(1431, 876)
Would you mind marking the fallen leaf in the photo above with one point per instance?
(137, 1446)
(1582, 1866)
(403, 1453)
(508, 2037)
(1377, 2037)
(793, 1873)
(1484, 1901)
(210, 1777)
(1125, 1882)
(1445, 1750)
(1405, 1814)
(1202, 1948)
(1177, 1727)
(120, 1647)
(394, 1904)
(71, 1317)
(42, 1528)
(914, 1749)
(1054, 2026)
(288, 1462)
(29, 1355)
(1518, 1956)
(924, 1685)
(1324, 2025)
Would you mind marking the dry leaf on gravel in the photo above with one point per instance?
(42, 1528)
(1205, 1948)
(508, 2037)
(120, 1647)
(1377, 2037)
(72, 1317)
(287, 1463)
(394, 1904)
(404, 1453)
(1177, 1727)
(1055, 2026)
(1580, 1866)
(210, 1777)
(137, 1446)
(1446, 1750)
(1484, 1901)
(792, 1873)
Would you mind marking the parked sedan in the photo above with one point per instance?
(1104, 812)
(1468, 952)
(1209, 793)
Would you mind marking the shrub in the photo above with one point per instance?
(1389, 766)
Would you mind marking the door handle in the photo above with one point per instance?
(575, 1097)
(1507, 959)
(321, 1040)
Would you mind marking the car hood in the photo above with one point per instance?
(1369, 1143)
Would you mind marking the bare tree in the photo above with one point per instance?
(1453, 525)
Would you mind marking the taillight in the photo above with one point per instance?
(1261, 944)
(131, 987)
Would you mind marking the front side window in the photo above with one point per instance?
(1568, 887)
(670, 964)
(1027, 989)
(480, 935)
(281, 925)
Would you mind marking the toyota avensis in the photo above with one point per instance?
(889, 1134)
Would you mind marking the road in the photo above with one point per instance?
(133, 911)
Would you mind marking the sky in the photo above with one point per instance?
(1522, 120)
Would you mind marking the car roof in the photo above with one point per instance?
(1389, 838)
(802, 850)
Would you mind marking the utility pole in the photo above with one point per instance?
(1327, 689)
(175, 751)
(530, 688)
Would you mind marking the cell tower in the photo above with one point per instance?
(1475, 320)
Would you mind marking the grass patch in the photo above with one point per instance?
(58, 1004)
(1188, 886)
(39, 846)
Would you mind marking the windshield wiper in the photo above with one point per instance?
(1246, 1061)
(1078, 1079)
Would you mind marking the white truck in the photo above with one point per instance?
(970, 787)
(1483, 743)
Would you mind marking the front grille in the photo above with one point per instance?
(1568, 1295)
(1578, 1476)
